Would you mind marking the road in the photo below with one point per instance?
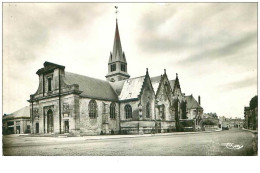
(233, 142)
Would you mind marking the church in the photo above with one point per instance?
(66, 102)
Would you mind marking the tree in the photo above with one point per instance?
(213, 115)
(183, 110)
(253, 103)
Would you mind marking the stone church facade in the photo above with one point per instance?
(71, 103)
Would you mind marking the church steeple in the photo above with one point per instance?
(117, 54)
(117, 65)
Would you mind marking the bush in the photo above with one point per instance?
(186, 123)
(208, 122)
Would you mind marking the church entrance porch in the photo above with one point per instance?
(50, 128)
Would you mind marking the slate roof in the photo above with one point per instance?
(155, 82)
(23, 112)
(117, 86)
(192, 103)
(172, 83)
(131, 88)
(91, 87)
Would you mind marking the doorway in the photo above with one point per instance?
(50, 121)
(159, 127)
(67, 127)
(17, 129)
(37, 127)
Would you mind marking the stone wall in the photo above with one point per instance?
(69, 112)
(148, 97)
(163, 97)
(102, 124)
(135, 127)
(168, 126)
(135, 110)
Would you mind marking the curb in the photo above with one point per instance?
(252, 131)
(150, 135)
(126, 136)
(88, 138)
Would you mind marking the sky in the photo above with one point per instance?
(212, 47)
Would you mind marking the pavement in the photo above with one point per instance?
(233, 142)
(30, 140)
(115, 136)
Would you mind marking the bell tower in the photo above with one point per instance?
(117, 65)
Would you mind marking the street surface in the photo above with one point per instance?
(233, 142)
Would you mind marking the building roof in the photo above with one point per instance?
(21, 113)
(132, 88)
(192, 103)
(156, 82)
(91, 87)
(117, 86)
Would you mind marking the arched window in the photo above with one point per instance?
(112, 110)
(163, 112)
(92, 108)
(128, 111)
(148, 110)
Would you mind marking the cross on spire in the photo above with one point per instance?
(116, 7)
(117, 65)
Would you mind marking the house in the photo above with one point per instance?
(17, 122)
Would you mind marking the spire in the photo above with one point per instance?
(117, 54)
(117, 65)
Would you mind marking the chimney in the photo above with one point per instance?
(199, 100)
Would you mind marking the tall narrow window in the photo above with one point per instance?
(49, 84)
(148, 110)
(123, 67)
(113, 67)
(128, 111)
(92, 108)
(163, 112)
(112, 110)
